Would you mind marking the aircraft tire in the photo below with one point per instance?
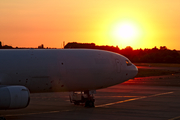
(2, 118)
(76, 103)
(89, 103)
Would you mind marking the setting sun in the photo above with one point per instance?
(135, 23)
(125, 32)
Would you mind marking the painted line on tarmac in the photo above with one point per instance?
(37, 113)
(128, 100)
(175, 118)
(31, 113)
(115, 96)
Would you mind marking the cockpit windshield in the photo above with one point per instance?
(128, 63)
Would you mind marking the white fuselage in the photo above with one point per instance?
(63, 69)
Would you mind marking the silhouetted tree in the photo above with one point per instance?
(163, 48)
(154, 55)
(41, 46)
(0, 44)
(7, 47)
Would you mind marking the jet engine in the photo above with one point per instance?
(14, 97)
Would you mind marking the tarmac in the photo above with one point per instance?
(147, 98)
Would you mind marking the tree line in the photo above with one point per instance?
(10, 47)
(154, 55)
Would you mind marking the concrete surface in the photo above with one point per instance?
(126, 102)
(148, 98)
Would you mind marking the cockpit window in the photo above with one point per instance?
(128, 63)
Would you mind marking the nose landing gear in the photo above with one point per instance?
(86, 97)
(2, 118)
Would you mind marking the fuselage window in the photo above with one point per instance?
(128, 63)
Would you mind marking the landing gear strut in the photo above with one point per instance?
(2, 118)
(86, 97)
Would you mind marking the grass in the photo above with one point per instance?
(154, 72)
(157, 64)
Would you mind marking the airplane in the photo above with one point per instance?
(25, 71)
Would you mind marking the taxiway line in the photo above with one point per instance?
(175, 118)
(128, 100)
(32, 113)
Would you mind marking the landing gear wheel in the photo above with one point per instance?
(2, 118)
(86, 97)
(76, 103)
(70, 99)
(89, 103)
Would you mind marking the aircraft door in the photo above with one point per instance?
(118, 66)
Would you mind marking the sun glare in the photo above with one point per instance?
(126, 33)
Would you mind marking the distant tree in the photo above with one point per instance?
(41, 46)
(163, 48)
(0, 44)
(129, 48)
(80, 45)
(155, 49)
(7, 47)
(154, 55)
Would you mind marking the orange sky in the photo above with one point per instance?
(29, 23)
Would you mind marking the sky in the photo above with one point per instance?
(135, 23)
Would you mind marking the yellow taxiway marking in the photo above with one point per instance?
(123, 101)
(108, 104)
(175, 118)
(114, 96)
(32, 113)
(48, 112)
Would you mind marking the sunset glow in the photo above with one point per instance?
(126, 33)
(136, 23)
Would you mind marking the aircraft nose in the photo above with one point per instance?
(133, 71)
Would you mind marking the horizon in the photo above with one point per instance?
(46, 47)
(139, 23)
